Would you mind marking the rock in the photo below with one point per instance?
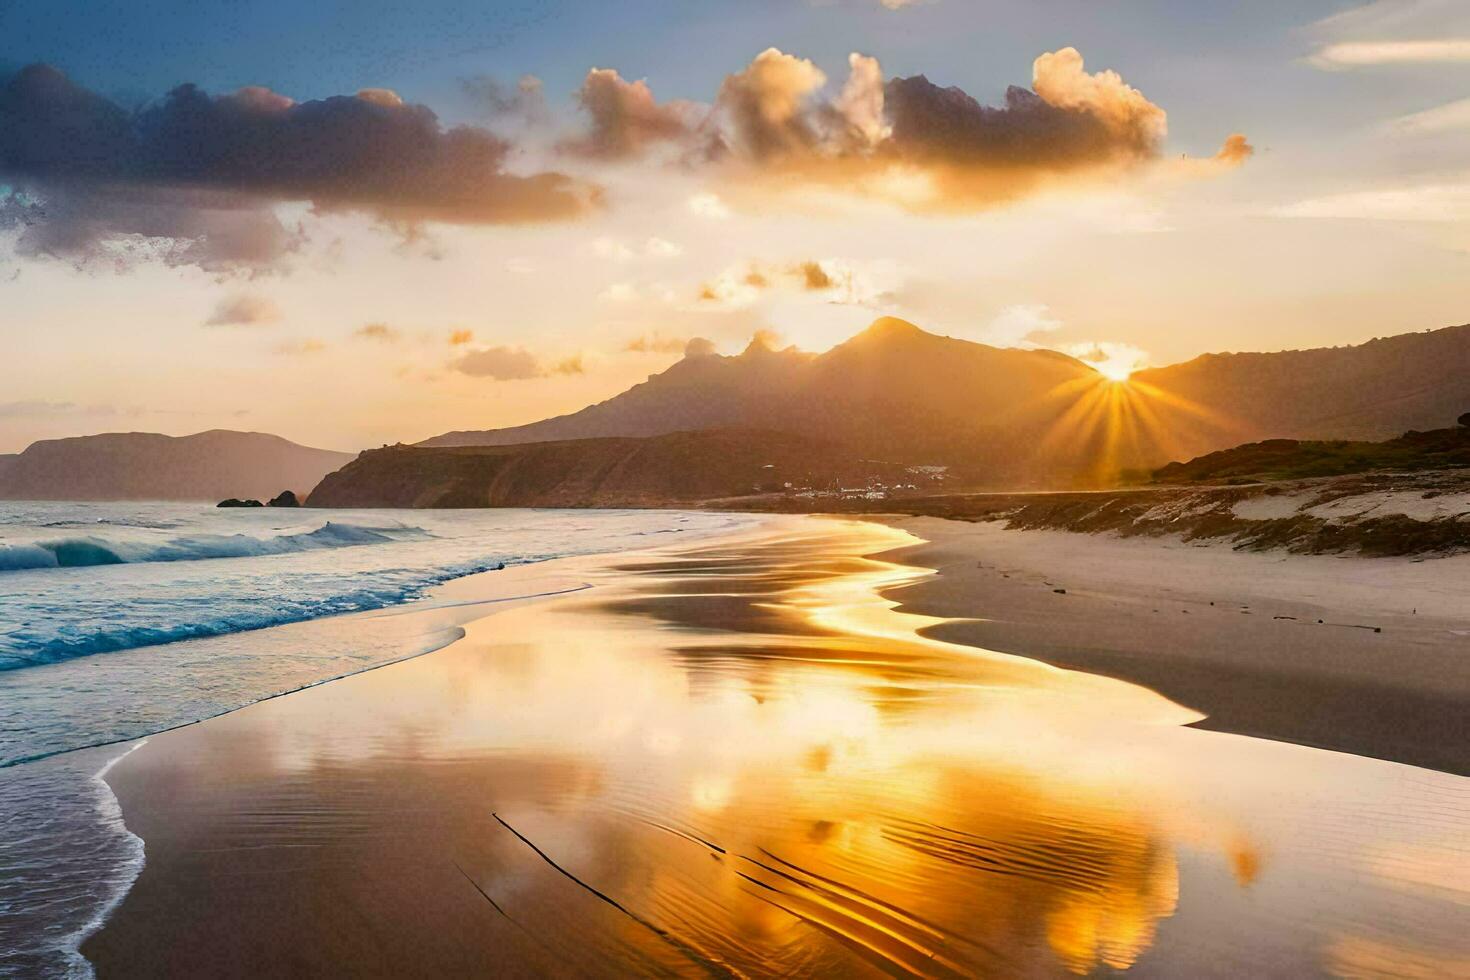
(285, 498)
(236, 502)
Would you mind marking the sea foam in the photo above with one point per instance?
(88, 551)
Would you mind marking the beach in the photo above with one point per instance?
(743, 756)
(1368, 656)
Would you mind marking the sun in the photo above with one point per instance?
(1114, 360)
(1116, 371)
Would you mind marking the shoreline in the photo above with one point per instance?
(74, 888)
(110, 811)
(361, 811)
(1235, 635)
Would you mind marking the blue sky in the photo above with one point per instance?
(1183, 53)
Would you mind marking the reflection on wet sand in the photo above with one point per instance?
(741, 759)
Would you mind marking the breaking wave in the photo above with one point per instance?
(87, 551)
(27, 648)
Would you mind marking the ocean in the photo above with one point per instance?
(120, 620)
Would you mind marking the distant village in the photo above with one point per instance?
(908, 480)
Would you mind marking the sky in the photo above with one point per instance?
(361, 223)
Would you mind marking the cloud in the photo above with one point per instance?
(814, 276)
(243, 310)
(775, 127)
(656, 343)
(385, 97)
(380, 332)
(624, 118)
(1441, 119)
(611, 248)
(1233, 154)
(1025, 325)
(1393, 32)
(768, 105)
(33, 408)
(861, 102)
(458, 338)
(837, 280)
(1359, 54)
(699, 347)
(660, 248)
(733, 288)
(568, 365)
(1136, 124)
(1394, 17)
(764, 339)
(102, 173)
(1235, 151)
(1070, 123)
(1016, 326)
(1432, 202)
(500, 363)
(513, 364)
(619, 251)
(120, 226)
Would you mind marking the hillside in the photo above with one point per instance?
(1005, 417)
(148, 466)
(1289, 459)
(678, 468)
(1372, 391)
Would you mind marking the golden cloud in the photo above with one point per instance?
(625, 120)
(773, 128)
(380, 332)
(513, 364)
(656, 343)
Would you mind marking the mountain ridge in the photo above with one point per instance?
(1031, 416)
(206, 465)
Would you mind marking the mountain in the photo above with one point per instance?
(699, 392)
(893, 391)
(1371, 391)
(1006, 417)
(148, 466)
(679, 467)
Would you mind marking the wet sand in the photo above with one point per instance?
(1385, 673)
(739, 758)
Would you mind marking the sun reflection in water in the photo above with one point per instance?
(767, 769)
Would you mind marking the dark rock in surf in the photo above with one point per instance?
(236, 502)
(285, 498)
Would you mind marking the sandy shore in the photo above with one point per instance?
(739, 758)
(1369, 656)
